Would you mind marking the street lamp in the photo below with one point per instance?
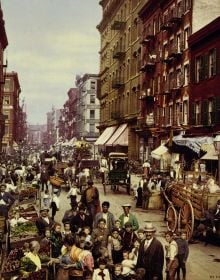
(217, 148)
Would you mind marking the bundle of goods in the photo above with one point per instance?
(12, 264)
(56, 181)
(29, 213)
(26, 194)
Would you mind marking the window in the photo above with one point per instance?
(7, 86)
(91, 127)
(186, 74)
(198, 113)
(210, 111)
(170, 115)
(186, 36)
(92, 114)
(185, 112)
(212, 61)
(6, 116)
(179, 81)
(92, 99)
(93, 84)
(198, 69)
(187, 5)
(6, 130)
(6, 100)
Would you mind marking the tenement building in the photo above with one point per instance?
(152, 82)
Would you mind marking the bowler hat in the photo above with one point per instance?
(149, 228)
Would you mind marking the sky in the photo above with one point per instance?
(50, 42)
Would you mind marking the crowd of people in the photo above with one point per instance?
(90, 242)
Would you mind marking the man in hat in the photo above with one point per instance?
(90, 198)
(105, 214)
(151, 255)
(213, 217)
(44, 221)
(128, 217)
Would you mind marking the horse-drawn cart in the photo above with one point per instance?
(187, 206)
(118, 172)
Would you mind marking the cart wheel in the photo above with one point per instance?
(171, 216)
(186, 218)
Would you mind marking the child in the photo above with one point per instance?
(72, 194)
(101, 273)
(87, 231)
(66, 229)
(55, 203)
(115, 246)
(127, 265)
(128, 237)
(134, 252)
(118, 225)
(117, 274)
(46, 199)
(183, 252)
(140, 234)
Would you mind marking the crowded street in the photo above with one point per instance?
(109, 140)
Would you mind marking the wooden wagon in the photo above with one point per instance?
(187, 206)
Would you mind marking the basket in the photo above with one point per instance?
(56, 181)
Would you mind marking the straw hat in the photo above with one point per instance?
(149, 228)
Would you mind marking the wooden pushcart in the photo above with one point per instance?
(187, 206)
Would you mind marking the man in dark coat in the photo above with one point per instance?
(6, 201)
(151, 255)
(80, 220)
(213, 217)
(44, 222)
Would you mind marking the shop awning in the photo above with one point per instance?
(106, 134)
(160, 152)
(211, 153)
(116, 135)
(194, 143)
(122, 140)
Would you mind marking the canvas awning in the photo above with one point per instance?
(106, 134)
(160, 152)
(194, 143)
(211, 153)
(122, 140)
(116, 135)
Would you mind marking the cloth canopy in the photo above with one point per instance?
(160, 152)
(194, 143)
(211, 153)
(106, 134)
(116, 135)
(122, 140)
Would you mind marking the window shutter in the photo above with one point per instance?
(201, 78)
(217, 61)
(204, 112)
(216, 110)
(192, 71)
(193, 114)
(206, 66)
(214, 61)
